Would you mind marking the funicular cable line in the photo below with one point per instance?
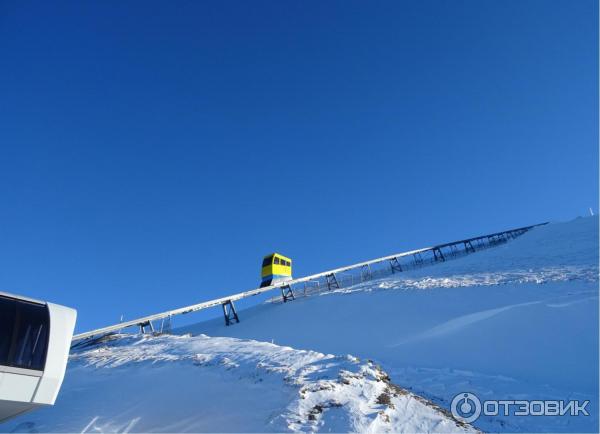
(331, 279)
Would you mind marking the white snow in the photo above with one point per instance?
(201, 383)
(519, 321)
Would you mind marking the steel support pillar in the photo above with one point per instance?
(365, 273)
(165, 325)
(469, 247)
(438, 255)
(395, 265)
(229, 312)
(332, 282)
(143, 326)
(418, 259)
(287, 293)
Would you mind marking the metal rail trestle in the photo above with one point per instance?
(332, 282)
(145, 324)
(287, 293)
(330, 278)
(395, 265)
(229, 312)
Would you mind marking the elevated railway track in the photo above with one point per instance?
(326, 280)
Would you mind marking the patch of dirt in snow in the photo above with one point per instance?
(334, 393)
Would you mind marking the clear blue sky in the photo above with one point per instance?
(153, 152)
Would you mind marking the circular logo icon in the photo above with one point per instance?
(466, 407)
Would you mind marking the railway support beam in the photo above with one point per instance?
(287, 293)
(438, 255)
(145, 324)
(469, 247)
(365, 273)
(395, 265)
(332, 282)
(229, 312)
(165, 325)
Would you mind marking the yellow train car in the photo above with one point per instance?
(276, 268)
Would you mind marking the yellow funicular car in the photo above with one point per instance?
(276, 268)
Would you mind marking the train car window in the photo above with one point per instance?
(25, 333)
(267, 261)
(276, 261)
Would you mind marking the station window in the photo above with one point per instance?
(276, 261)
(25, 331)
(8, 314)
(287, 263)
(267, 261)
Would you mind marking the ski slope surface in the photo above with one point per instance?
(519, 321)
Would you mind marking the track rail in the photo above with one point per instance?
(147, 320)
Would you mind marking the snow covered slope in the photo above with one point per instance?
(519, 321)
(191, 384)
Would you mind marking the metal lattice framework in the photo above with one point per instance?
(327, 280)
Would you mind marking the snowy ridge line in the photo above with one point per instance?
(145, 321)
(323, 392)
